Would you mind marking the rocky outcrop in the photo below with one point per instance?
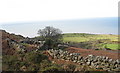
(98, 62)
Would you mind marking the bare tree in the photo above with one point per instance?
(51, 35)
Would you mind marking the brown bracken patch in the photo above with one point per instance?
(84, 52)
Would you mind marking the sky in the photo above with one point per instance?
(91, 25)
(94, 16)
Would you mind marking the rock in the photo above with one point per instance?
(117, 61)
(110, 60)
(53, 61)
(75, 61)
(88, 60)
(90, 55)
(23, 68)
(78, 61)
(107, 58)
(92, 64)
(88, 63)
(76, 58)
(116, 65)
(103, 57)
(71, 54)
(97, 67)
(95, 60)
(102, 63)
(81, 63)
(68, 58)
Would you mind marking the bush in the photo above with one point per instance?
(35, 58)
(71, 67)
(11, 62)
(52, 69)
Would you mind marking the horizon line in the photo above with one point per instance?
(30, 22)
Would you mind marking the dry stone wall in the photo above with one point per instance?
(98, 62)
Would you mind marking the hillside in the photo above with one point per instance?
(27, 54)
(99, 40)
(6, 35)
(11, 43)
(7, 40)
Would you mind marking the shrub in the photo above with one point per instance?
(35, 58)
(52, 69)
(11, 62)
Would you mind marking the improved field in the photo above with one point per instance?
(113, 46)
(111, 42)
(82, 37)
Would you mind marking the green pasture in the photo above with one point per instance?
(83, 37)
(113, 46)
(88, 37)
(75, 39)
